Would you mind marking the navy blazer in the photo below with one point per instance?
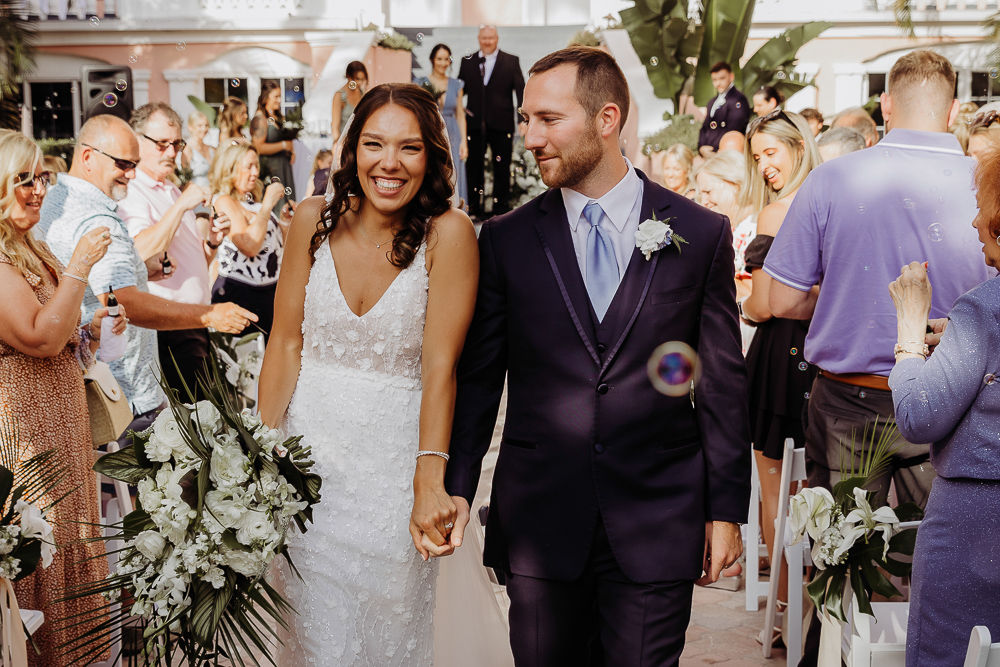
(586, 435)
(733, 115)
(492, 105)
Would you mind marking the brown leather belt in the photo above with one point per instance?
(858, 379)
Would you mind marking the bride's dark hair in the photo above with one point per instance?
(433, 197)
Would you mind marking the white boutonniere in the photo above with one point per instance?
(654, 235)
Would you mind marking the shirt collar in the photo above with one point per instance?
(144, 179)
(88, 189)
(726, 91)
(492, 56)
(936, 142)
(617, 203)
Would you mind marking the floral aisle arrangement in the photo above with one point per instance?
(852, 542)
(218, 491)
(239, 362)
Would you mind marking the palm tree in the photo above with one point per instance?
(17, 59)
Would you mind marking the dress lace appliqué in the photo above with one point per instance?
(366, 597)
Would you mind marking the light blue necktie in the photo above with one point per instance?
(602, 265)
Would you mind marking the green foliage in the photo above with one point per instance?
(396, 42)
(681, 129)
(772, 63)
(58, 147)
(727, 25)
(207, 109)
(17, 46)
(902, 13)
(666, 41)
(585, 38)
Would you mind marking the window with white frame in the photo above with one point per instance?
(217, 90)
(52, 112)
(293, 93)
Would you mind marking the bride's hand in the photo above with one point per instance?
(432, 520)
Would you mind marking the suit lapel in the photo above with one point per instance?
(632, 291)
(554, 233)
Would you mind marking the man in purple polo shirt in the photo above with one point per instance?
(854, 223)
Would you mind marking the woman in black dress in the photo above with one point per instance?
(781, 152)
(277, 155)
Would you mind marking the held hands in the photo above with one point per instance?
(723, 547)
(435, 519)
(228, 318)
(90, 249)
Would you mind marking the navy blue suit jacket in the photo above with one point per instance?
(733, 115)
(586, 435)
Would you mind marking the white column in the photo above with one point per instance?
(849, 82)
(140, 87)
(181, 83)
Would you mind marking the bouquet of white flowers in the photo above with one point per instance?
(217, 493)
(851, 541)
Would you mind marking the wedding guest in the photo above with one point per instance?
(983, 131)
(160, 218)
(104, 162)
(720, 185)
(732, 141)
(961, 128)
(726, 112)
(856, 220)
(951, 399)
(197, 156)
(860, 121)
(815, 120)
(345, 99)
(677, 167)
(320, 173)
(492, 79)
(42, 344)
(54, 165)
(781, 155)
(277, 154)
(839, 141)
(250, 256)
(233, 120)
(453, 111)
(766, 100)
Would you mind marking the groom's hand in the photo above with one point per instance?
(723, 546)
(461, 521)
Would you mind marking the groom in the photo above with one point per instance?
(606, 493)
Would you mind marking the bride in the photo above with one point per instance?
(376, 293)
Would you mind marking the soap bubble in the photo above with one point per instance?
(803, 366)
(947, 172)
(994, 72)
(806, 395)
(133, 59)
(781, 75)
(288, 192)
(121, 84)
(886, 153)
(871, 324)
(909, 204)
(420, 38)
(352, 85)
(235, 83)
(861, 394)
(94, 21)
(861, 208)
(181, 46)
(935, 232)
(794, 350)
(248, 197)
(672, 368)
(56, 319)
(110, 100)
(296, 89)
(654, 61)
(739, 104)
(990, 378)
(48, 104)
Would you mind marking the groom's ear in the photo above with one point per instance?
(609, 120)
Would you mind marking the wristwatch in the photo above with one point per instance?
(743, 316)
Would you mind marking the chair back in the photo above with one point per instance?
(982, 652)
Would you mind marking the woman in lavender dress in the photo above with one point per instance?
(450, 101)
(952, 399)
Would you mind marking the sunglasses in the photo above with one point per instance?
(124, 165)
(162, 145)
(29, 180)
(774, 114)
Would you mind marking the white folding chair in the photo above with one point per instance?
(876, 641)
(756, 588)
(793, 469)
(982, 652)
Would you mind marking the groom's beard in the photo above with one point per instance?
(575, 163)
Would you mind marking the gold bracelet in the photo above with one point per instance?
(75, 277)
(900, 348)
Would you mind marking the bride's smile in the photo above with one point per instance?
(392, 159)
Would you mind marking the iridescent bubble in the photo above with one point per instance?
(94, 21)
(781, 74)
(121, 84)
(794, 351)
(110, 100)
(861, 394)
(48, 104)
(288, 192)
(654, 61)
(861, 208)
(806, 395)
(133, 58)
(353, 85)
(235, 83)
(673, 367)
(867, 268)
(181, 46)
(947, 172)
(886, 153)
(498, 158)
(935, 232)
(296, 89)
(248, 197)
(994, 72)
(420, 38)
(871, 324)
(739, 105)
(803, 366)
(909, 204)
(990, 379)
(73, 88)
(656, 147)
(270, 120)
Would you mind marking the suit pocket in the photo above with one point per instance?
(680, 449)
(520, 444)
(673, 296)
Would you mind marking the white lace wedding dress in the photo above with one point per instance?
(366, 597)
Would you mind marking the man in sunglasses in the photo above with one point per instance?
(160, 219)
(104, 163)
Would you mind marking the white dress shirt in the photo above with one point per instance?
(491, 61)
(622, 206)
(720, 100)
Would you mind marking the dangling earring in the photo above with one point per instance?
(998, 240)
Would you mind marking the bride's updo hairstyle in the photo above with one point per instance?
(433, 197)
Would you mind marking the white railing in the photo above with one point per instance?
(69, 10)
(286, 6)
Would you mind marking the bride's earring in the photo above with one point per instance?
(998, 240)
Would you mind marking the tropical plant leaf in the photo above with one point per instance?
(205, 108)
(18, 38)
(904, 542)
(777, 54)
(727, 25)
(909, 512)
(858, 585)
(123, 466)
(875, 581)
(664, 39)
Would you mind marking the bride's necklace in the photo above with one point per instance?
(377, 245)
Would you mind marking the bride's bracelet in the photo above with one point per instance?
(430, 453)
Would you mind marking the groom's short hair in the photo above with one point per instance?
(599, 79)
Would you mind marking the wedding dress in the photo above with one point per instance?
(366, 597)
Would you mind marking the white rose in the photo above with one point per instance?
(224, 509)
(168, 432)
(255, 526)
(158, 450)
(149, 495)
(208, 417)
(246, 563)
(650, 236)
(150, 544)
(34, 526)
(228, 466)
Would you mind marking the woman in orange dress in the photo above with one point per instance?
(42, 346)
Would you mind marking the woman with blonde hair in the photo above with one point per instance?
(232, 120)
(197, 156)
(43, 346)
(781, 152)
(677, 167)
(250, 254)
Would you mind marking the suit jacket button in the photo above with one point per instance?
(602, 348)
(602, 389)
(599, 448)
